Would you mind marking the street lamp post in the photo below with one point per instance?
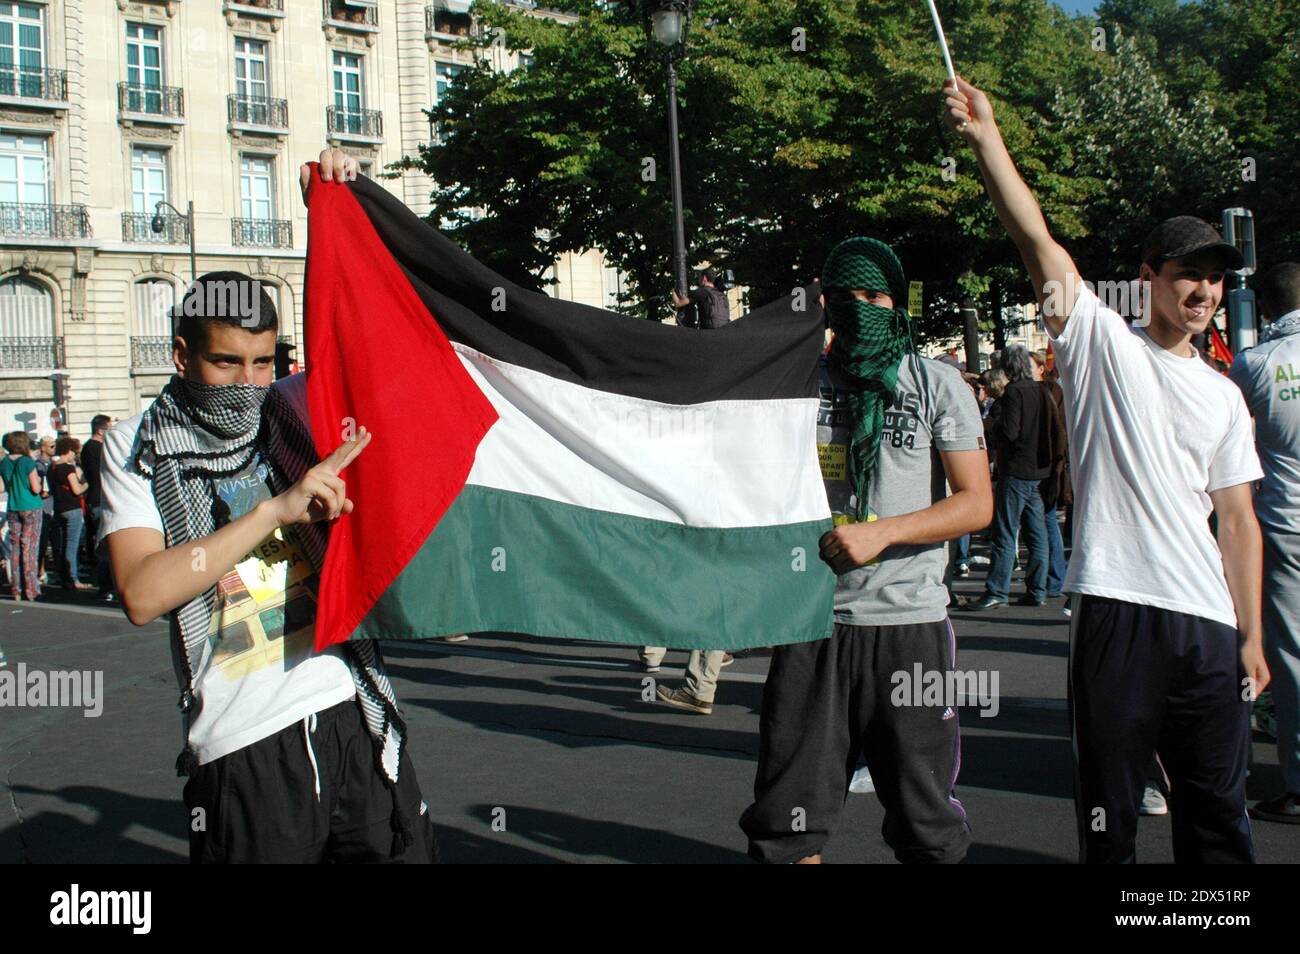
(667, 22)
(157, 225)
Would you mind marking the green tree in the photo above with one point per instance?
(1154, 158)
(802, 122)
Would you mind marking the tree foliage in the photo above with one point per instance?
(806, 121)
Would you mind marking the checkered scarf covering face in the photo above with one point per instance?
(189, 437)
(870, 342)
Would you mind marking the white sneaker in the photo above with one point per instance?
(979, 561)
(861, 783)
(1153, 802)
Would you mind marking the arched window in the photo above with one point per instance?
(154, 298)
(27, 337)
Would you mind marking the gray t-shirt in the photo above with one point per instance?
(934, 410)
(1269, 378)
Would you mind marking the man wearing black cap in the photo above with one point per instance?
(1166, 644)
(706, 307)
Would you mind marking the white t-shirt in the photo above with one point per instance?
(1151, 436)
(260, 673)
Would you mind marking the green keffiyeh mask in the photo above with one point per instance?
(870, 342)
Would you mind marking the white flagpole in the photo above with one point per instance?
(943, 41)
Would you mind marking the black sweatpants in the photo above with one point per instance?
(1145, 680)
(826, 703)
(259, 804)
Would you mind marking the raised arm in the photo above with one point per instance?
(1056, 280)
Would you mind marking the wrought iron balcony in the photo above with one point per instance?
(151, 351)
(364, 123)
(257, 111)
(350, 16)
(270, 233)
(165, 102)
(54, 221)
(138, 227)
(33, 83)
(30, 354)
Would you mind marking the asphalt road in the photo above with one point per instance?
(552, 741)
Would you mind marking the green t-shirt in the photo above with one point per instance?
(13, 472)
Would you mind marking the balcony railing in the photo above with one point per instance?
(138, 227)
(30, 354)
(354, 122)
(165, 102)
(257, 111)
(354, 16)
(270, 233)
(54, 221)
(33, 83)
(151, 351)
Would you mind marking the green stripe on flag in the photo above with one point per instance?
(510, 562)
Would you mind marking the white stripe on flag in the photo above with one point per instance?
(717, 464)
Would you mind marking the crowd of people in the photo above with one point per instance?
(52, 497)
(1175, 624)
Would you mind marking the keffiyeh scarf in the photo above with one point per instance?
(189, 437)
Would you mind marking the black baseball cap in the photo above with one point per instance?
(1186, 235)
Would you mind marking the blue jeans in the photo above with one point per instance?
(961, 550)
(70, 526)
(1016, 498)
(1055, 555)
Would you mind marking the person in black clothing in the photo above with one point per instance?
(1023, 438)
(91, 456)
(705, 307)
(68, 487)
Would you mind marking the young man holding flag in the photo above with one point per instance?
(892, 426)
(215, 513)
(1165, 647)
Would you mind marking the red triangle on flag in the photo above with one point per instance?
(377, 358)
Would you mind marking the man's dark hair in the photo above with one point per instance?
(1279, 289)
(227, 298)
(99, 422)
(65, 444)
(710, 274)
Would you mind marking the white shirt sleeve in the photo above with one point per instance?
(1090, 325)
(127, 496)
(1235, 461)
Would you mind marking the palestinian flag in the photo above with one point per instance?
(544, 467)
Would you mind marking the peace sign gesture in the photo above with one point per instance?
(321, 494)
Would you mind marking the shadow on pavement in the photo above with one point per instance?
(102, 841)
(562, 832)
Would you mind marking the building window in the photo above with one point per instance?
(349, 93)
(250, 68)
(22, 49)
(27, 340)
(154, 298)
(24, 169)
(450, 18)
(143, 55)
(256, 192)
(614, 286)
(148, 178)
